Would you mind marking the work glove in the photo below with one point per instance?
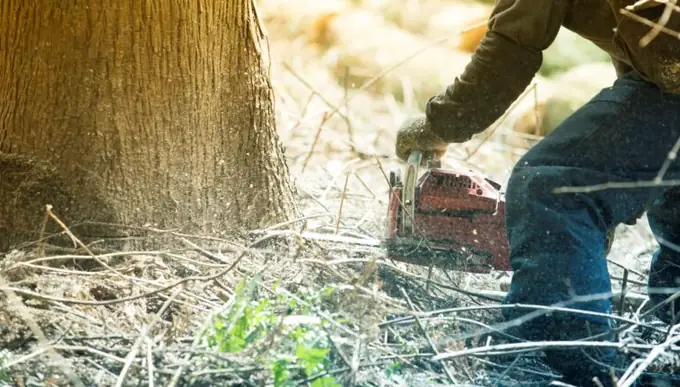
(415, 134)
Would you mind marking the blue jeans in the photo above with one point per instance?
(558, 240)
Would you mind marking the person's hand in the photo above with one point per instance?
(415, 134)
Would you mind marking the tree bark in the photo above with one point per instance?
(139, 112)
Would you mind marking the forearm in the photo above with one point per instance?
(505, 62)
(499, 72)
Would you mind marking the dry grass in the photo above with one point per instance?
(121, 317)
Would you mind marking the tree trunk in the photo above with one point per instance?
(140, 112)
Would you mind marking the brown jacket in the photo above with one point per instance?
(510, 55)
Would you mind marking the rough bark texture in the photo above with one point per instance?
(154, 112)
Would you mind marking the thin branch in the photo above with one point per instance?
(427, 336)
(642, 20)
(149, 361)
(661, 23)
(342, 201)
(44, 345)
(143, 295)
(617, 185)
(539, 310)
(672, 155)
(324, 118)
(636, 369)
(142, 336)
(536, 345)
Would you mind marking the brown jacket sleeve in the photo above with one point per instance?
(505, 62)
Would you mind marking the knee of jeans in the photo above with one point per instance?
(519, 184)
(528, 186)
(533, 191)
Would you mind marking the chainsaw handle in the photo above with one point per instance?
(423, 159)
(408, 194)
(415, 158)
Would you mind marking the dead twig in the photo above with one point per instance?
(77, 242)
(315, 141)
(149, 361)
(204, 252)
(325, 100)
(672, 155)
(20, 308)
(661, 23)
(539, 310)
(638, 367)
(624, 285)
(428, 338)
(535, 346)
(143, 336)
(617, 185)
(649, 23)
(342, 201)
(147, 294)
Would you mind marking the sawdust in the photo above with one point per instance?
(670, 74)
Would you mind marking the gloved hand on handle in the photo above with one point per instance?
(416, 134)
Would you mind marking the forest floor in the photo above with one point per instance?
(284, 306)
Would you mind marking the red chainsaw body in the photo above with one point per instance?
(458, 222)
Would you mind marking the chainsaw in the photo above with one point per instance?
(448, 218)
(453, 219)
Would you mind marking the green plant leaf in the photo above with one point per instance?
(326, 381)
(311, 358)
(280, 372)
(393, 369)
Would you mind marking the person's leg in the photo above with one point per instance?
(558, 240)
(664, 273)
